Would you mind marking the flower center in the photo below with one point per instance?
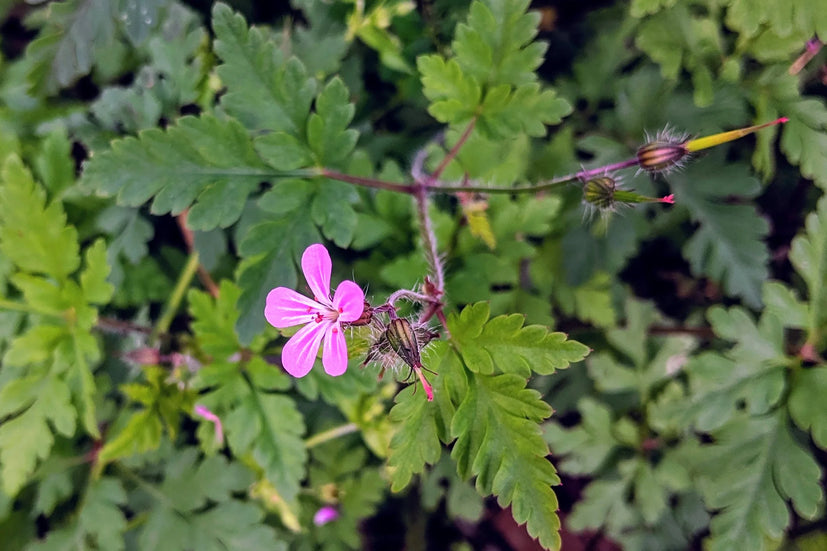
(324, 314)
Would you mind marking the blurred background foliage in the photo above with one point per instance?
(698, 420)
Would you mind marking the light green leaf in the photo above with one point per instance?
(423, 424)
(504, 343)
(34, 235)
(27, 437)
(499, 442)
(93, 278)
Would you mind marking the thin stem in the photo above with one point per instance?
(174, 301)
(366, 182)
(408, 295)
(454, 150)
(431, 184)
(429, 237)
(112, 325)
(330, 434)
(189, 239)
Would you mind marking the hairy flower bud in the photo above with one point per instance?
(603, 193)
(599, 192)
(663, 154)
(402, 339)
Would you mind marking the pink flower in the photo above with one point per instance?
(321, 315)
(203, 411)
(324, 515)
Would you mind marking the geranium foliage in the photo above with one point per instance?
(283, 275)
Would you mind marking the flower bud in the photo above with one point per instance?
(662, 155)
(600, 192)
(365, 318)
(400, 335)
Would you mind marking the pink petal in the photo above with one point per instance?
(299, 354)
(349, 301)
(324, 515)
(334, 355)
(285, 308)
(316, 266)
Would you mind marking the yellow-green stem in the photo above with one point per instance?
(330, 434)
(174, 301)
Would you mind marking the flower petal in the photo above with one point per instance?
(285, 308)
(334, 355)
(316, 266)
(299, 354)
(349, 300)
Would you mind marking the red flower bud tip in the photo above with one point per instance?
(669, 199)
(429, 391)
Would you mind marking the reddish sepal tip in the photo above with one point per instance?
(782, 120)
(670, 199)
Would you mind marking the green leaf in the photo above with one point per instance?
(93, 278)
(327, 129)
(26, 438)
(54, 164)
(453, 95)
(728, 246)
(214, 320)
(499, 442)
(752, 371)
(587, 446)
(804, 138)
(495, 45)
(504, 342)
(422, 424)
(282, 151)
(263, 91)
(806, 403)
(641, 8)
(749, 16)
(34, 235)
(100, 520)
(202, 163)
(754, 467)
(66, 47)
(194, 509)
(271, 250)
(270, 427)
(782, 302)
(492, 74)
(809, 256)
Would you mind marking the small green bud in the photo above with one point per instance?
(600, 192)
